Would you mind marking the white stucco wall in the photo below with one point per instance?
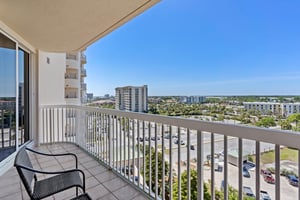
(51, 78)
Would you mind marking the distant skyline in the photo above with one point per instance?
(202, 48)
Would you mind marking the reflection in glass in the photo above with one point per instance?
(23, 68)
(7, 96)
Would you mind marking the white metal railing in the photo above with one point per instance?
(71, 57)
(83, 57)
(83, 72)
(122, 141)
(83, 86)
(70, 75)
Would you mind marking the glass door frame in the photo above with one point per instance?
(27, 93)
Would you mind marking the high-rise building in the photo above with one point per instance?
(192, 99)
(132, 98)
(75, 88)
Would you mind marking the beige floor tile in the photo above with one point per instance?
(98, 192)
(126, 193)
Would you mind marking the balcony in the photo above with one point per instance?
(83, 86)
(71, 57)
(83, 58)
(72, 64)
(83, 72)
(121, 141)
(71, 83)
(101, 183)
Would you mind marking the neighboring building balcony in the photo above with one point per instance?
(83, 72)
(83, 86)
(71, 76)
(72, 64)
(71, 57)
(73, 83)
(180, 153)
(83, 58)
(71, 93)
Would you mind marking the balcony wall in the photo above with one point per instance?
(73, 83)
(83, 58)
(122, 140)
(73, 64)
(83, 86)
(83, 72)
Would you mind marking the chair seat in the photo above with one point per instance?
(52, 185)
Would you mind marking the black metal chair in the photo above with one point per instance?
(60, 181)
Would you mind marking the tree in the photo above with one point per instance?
(159, 169)
(193, 186)
(295, 118)
(285, 125)
(266, 122)
(220, 117)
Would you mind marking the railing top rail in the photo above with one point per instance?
(286, 138)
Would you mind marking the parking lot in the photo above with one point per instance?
(288, 192)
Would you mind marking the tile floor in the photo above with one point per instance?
(101, 183)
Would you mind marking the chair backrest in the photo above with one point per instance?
(22, 160)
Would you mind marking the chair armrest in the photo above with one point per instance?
(60, 154)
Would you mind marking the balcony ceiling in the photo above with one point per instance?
(68, 25)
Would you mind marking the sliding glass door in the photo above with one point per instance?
(14, 107)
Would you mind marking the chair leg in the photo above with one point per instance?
(76, 191)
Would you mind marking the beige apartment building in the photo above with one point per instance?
(285, 109)
(132, 98)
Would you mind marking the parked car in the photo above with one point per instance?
(126, 170)
(265, 172)
(264, 195)
(181, 142)
(155, 138)
(192, 147)
(174, 136)
(269, 179)
(246, 172)
(248, 191)
(293, 180)
(248, 164)
(267, 175)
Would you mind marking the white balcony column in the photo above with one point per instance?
(81, 127)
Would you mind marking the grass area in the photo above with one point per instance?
(285, 154)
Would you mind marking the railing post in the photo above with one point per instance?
(109, 136)
(200, 192)
(277, 172)
(225, 167)
(240, 165)
(257, 169)
(212, 161)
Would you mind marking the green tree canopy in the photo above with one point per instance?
(266, 122)
(285, 125)
(193, 186)
(159, 169)
(294, 118)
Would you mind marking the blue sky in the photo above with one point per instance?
(208, 47)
